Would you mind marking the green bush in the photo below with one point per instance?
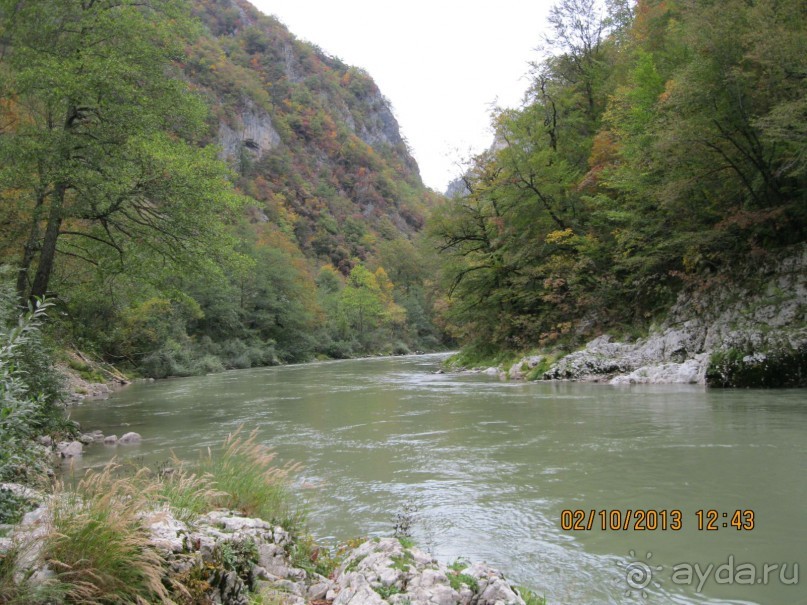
(170, 360)
(339, 349)
(13, 506)
(736, 368)
(30, 390)
(238, 556)
(400, 348)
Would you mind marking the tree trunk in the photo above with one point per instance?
(29, 252)
(48, 253)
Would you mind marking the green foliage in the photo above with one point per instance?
(529, 596)
(458, 580)
(354, 564)
(305, 553)
(479, 356)
(113, 198)
(385, 592)
(361, 302)
(30, 390)
(84, 370)
(656, 146)
(458, 565)
(98, 546)
(403, 562)
(13, 506)
(735, 368)
(537, 373)
(101, 154)
(238, 556)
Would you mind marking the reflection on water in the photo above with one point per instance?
(491, 465)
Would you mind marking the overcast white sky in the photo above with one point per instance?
(441, 63)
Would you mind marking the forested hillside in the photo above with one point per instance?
(193, 188)
(661, 147)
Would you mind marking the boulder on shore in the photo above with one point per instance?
(69, 449)
(130, 438)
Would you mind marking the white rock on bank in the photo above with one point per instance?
(411, 576)
(167, 533)
(666, 373)
(378, 572)
(22, 491)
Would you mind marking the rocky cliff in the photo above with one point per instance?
(746, 328)
(315, 143)
(743, 329)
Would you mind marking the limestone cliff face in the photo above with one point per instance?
(370, 118)
(747, 328)
(456, 189)
(248, 132)
(380, 126)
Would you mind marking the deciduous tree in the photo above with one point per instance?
(99, 135)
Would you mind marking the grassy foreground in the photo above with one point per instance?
(94, 541)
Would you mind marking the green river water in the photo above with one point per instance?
(491, 466)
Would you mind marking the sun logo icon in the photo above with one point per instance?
(638, 574)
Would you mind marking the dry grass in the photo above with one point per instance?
(244, 470)
(97, 544)
(187, 494)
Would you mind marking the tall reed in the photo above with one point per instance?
(97, 544)
(244, 470)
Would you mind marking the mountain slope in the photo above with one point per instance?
(159, 257)
(314, 141)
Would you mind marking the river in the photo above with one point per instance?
(490, 467)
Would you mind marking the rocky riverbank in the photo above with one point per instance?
(224, 557)
(85, 378)
(732, 330)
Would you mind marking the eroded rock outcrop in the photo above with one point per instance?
(251, 131)
(385, 571)
(730, 331)
(750, 332)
